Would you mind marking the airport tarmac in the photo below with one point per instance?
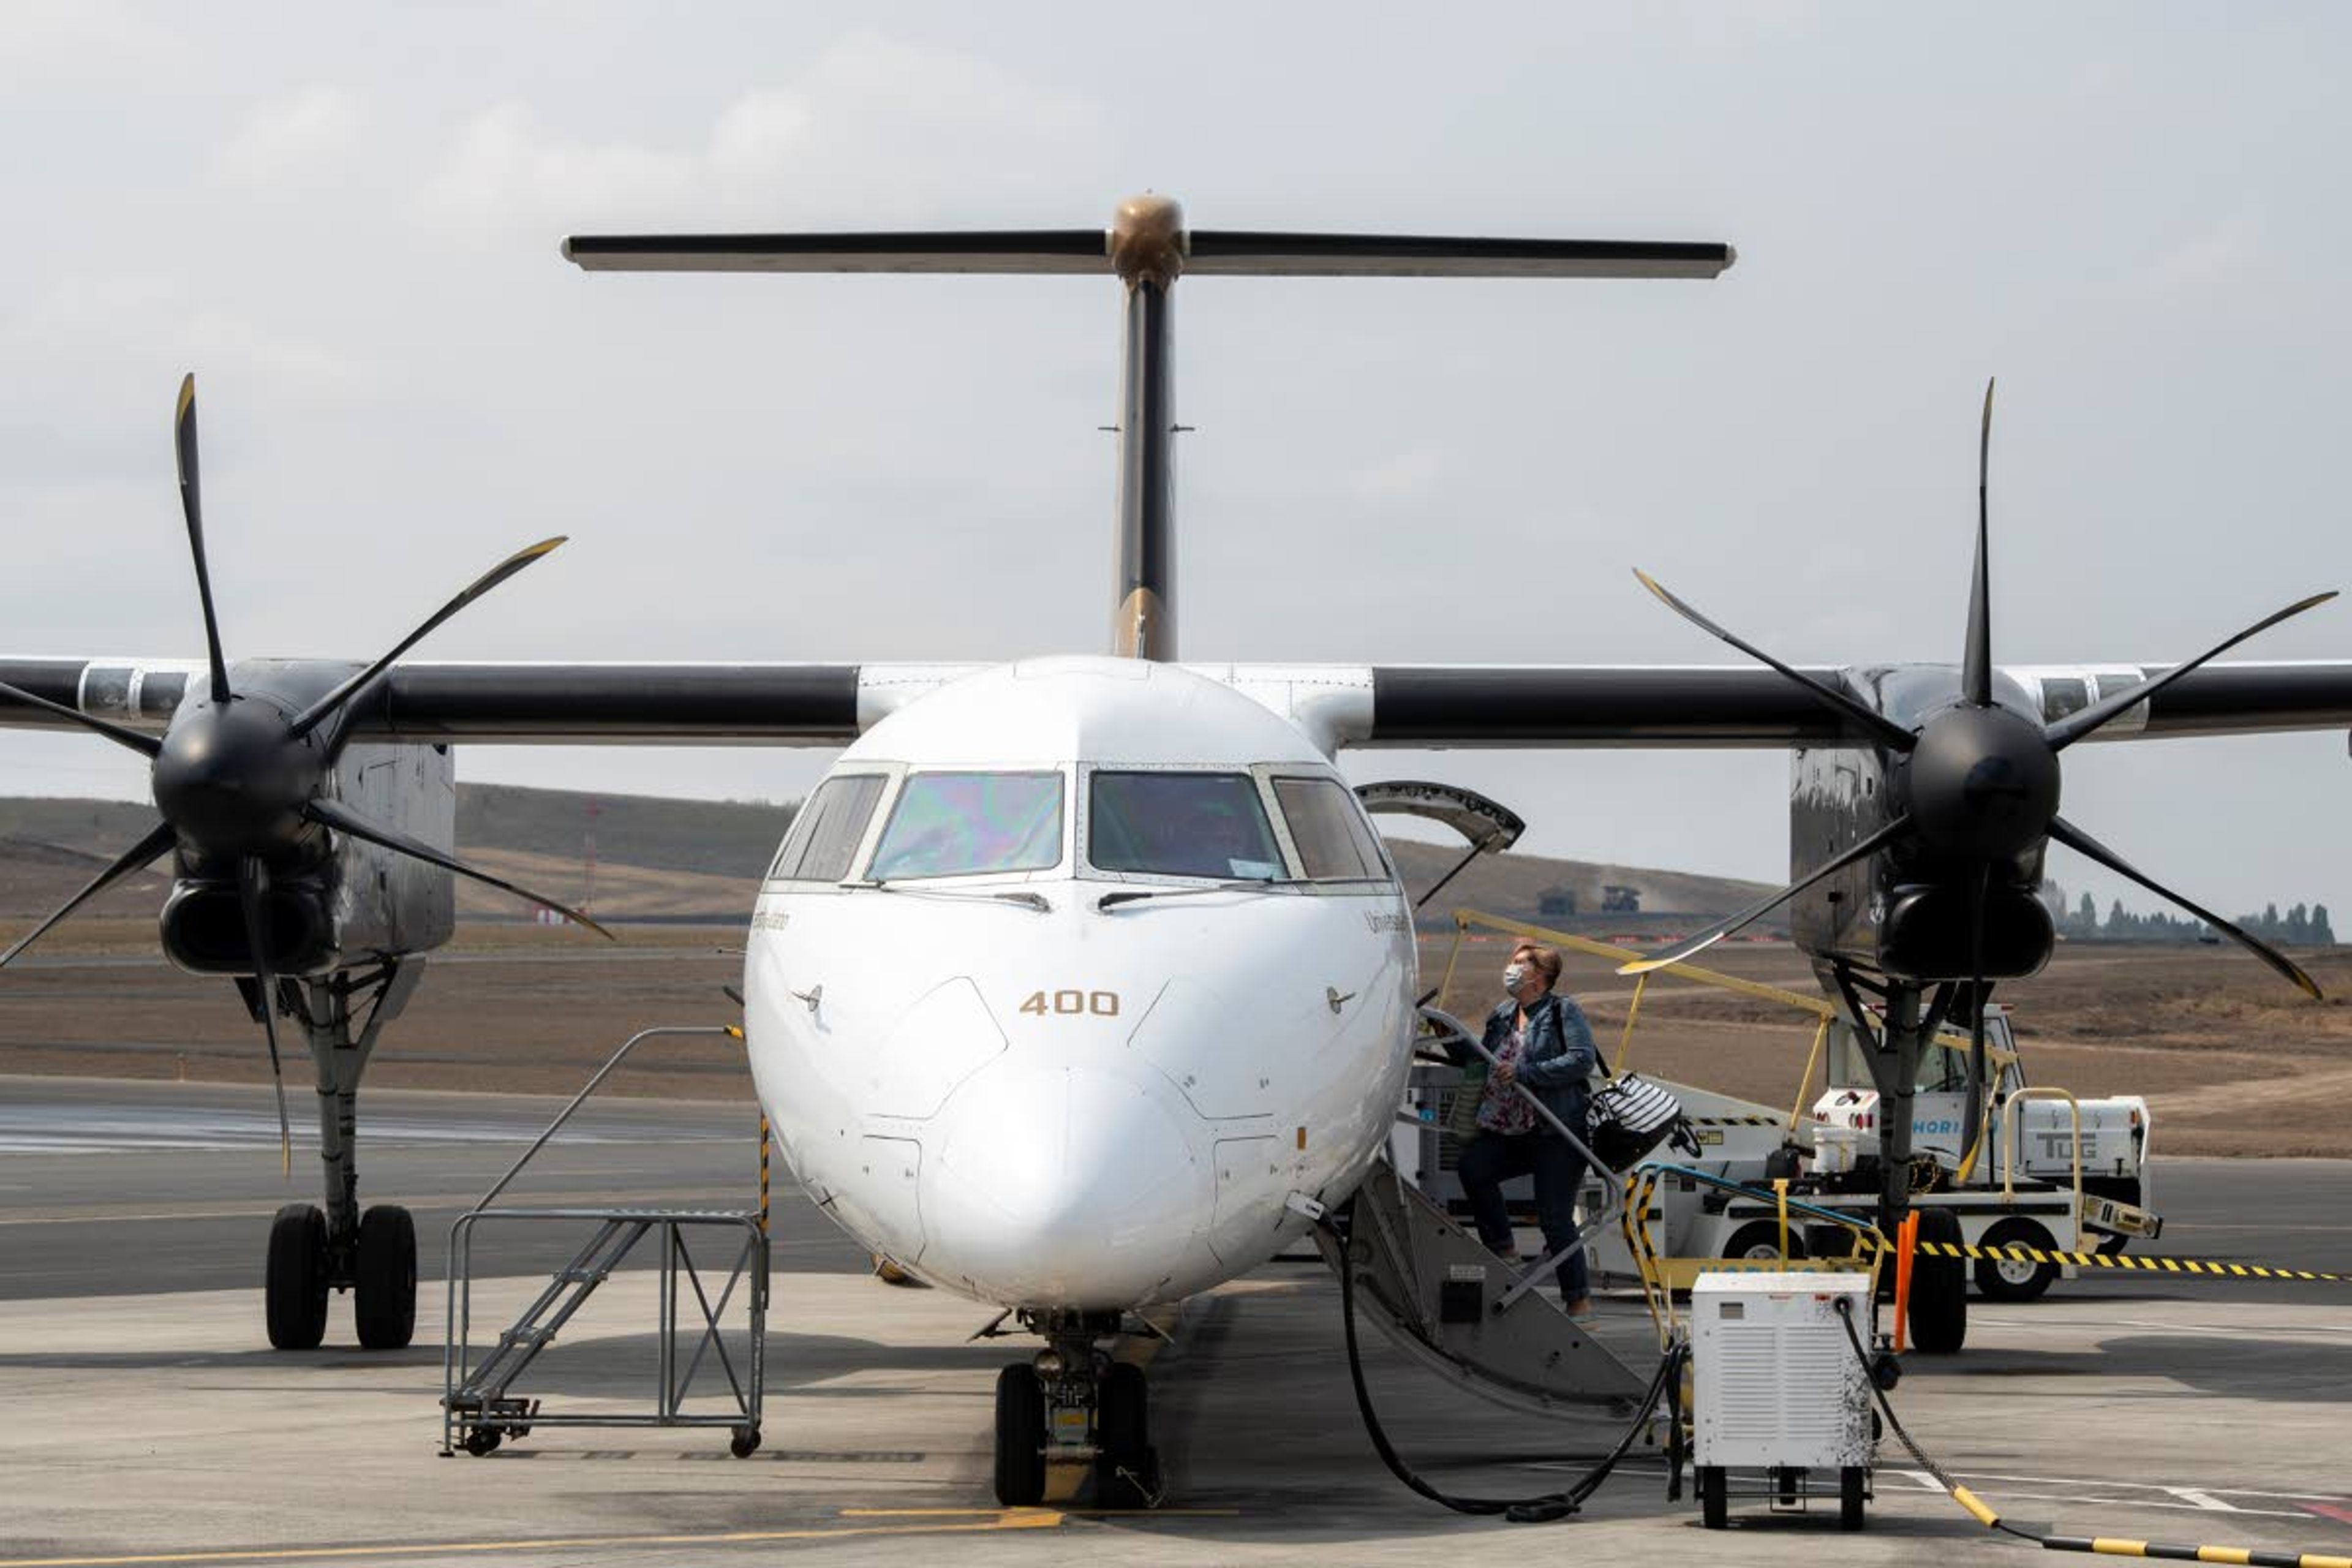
(150, 1422)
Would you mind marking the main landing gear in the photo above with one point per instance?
(1893, 1034)
(315, 1250)
(1073, 1401)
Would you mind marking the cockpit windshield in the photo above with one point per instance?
(1181, 824)
(961, 825)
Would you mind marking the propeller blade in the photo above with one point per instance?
(1877, 725)
(351, 690)
(183, 443)
(145, 745)
(1691, 946)
(252, 881)
(2083, 844)
(1976, 664)
(2077, 726)
(138, 857)
(343, 819)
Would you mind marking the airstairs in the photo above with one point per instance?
(483, 1404)
(1486, 1326)
(1467, 1316)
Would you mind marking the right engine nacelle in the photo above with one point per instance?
(352, 905)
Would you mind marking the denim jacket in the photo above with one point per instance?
(1559, 1057)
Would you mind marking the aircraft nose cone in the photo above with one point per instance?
(1066, 1186)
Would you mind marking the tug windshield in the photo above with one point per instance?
(963, 825)
(1181, 824)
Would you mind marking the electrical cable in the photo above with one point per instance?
(2107, 1546)
(1540, 1509)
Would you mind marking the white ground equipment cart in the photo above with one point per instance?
(1779, 1401)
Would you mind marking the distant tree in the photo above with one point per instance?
(2270, 920)
(2114, 926)
(2321, 932)
(2086, 920)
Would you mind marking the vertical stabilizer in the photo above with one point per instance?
(1147, 250)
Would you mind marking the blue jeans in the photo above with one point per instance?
(1491, 1159)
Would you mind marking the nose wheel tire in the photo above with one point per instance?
(1020, 1436)
(384, 1278)
(294, 1285)
(1127, 1469)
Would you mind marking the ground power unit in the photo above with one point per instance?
(1779, 1401)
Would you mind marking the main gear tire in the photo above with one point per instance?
(1939, 1287)
(294, 1281)
(383, 1278)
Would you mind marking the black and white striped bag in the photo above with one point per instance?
(1630, 1116)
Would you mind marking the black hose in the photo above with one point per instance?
(1540, 1509)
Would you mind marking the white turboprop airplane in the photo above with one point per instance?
(1080, 983)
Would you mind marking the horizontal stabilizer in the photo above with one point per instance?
(1204, 252)
(1239, 251)
(1073, 250)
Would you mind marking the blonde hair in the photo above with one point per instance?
(1544, 958)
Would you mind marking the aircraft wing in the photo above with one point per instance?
(1343, 705)
(1571, 706)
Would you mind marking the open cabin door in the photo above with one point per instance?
(1486, 825)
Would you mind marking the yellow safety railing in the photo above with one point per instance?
(2014, 1127)
(1659, 1274)
(1466, 920)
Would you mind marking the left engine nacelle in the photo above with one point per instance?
(352, 904)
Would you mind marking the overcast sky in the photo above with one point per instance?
(347, 225)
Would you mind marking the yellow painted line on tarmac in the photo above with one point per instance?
(1070, 1513)
(990, 1520)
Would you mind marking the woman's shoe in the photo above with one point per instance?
(1582, 1310)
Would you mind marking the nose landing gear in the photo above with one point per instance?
(1074, 1404)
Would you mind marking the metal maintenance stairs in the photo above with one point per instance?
(569, 1290)
(1456, 1308)
(480, 1406)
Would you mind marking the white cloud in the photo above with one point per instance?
(48, 41)
(505, 164)
(2219, 255)
(872, 126)
(290, 137)
(1410, 474)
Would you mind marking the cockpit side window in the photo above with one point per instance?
(1181, 824)
(826, 830)
(961, 825)
(1334, 844)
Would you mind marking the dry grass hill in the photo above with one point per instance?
(686, 860)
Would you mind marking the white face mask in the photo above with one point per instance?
(1514, 978)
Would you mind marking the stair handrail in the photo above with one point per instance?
(602, 1073)
(1613, 1180)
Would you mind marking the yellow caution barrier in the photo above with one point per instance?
(2198, 1266)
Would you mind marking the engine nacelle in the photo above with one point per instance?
(1900, 912)
(347, 904)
